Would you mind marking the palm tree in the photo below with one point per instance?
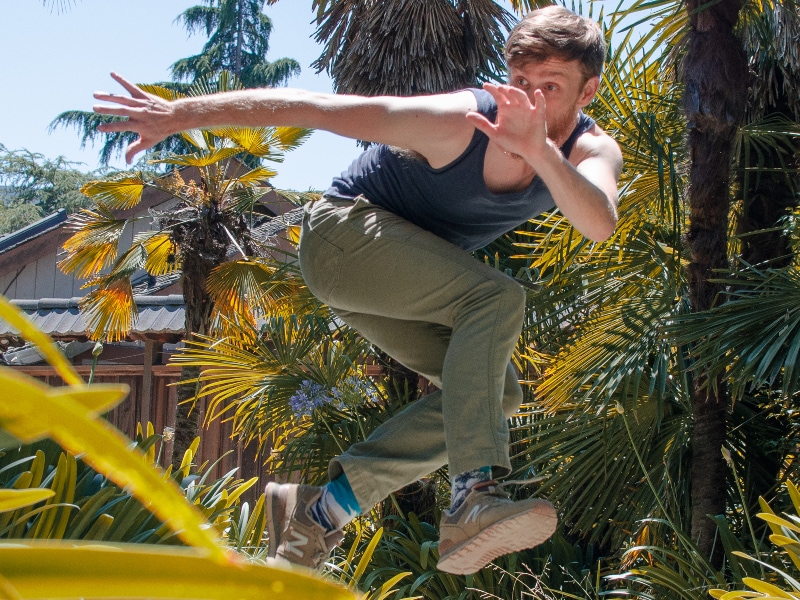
(714, 110)
(212, 218)
(238, 33)
(609, 358)
(239, 41)
(375, 48)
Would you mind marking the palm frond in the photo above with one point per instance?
(94, 245)
(200, 159)
(162, 253)
(109, 312)
(753, 339)
(117, 193)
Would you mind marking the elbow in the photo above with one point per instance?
(604, 227)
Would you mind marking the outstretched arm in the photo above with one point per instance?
(434, 126)
(584, 187)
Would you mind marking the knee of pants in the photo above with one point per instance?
(512, 398)
(513, 295)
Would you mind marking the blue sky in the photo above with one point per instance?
(52, 62)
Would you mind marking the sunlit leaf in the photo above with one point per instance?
(109, 311)
(76, 570)
(200, 159)
(40, 411)
(122, 193)
(95, 243)
(14, 499)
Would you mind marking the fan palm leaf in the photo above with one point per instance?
(161, 255)
(109, 311)
(95, 243)
(118, 193)
(753, 339)
(459, 45)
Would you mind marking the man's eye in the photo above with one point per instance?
(522, 82)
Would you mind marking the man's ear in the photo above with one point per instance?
(589, 90)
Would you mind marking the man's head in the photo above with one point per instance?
(555, 32)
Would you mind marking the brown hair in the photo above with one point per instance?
(555, 32)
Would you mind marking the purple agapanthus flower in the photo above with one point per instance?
(352, 391)
(309, 397)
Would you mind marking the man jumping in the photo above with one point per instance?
(387, 249)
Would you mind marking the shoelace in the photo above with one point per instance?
(498, 487)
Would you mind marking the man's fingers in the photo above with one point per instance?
(125, 100)
(114, 127)
(480, 122)
(129, 87)
(118, 111)
(138, 145)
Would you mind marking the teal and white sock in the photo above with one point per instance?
(337, 505)
(464, 482)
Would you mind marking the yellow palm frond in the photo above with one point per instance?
(120, 193)
(255, 140)
(109, 312)
(161, 91)
(162, 254)
(94, 244)
(200, 159)
(289, 138)
(198, 138)
(254, 177)
(236, 286)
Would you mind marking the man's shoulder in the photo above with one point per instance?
(595, 142)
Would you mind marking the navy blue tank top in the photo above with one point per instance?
(453, 201)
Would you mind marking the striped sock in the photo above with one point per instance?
(337, 505)
(464, 482)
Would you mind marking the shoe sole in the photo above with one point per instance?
(512, 534)
(276, 511)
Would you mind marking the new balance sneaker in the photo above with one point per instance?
(294, 536)
(488, 524)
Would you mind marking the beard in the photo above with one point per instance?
(559, 127)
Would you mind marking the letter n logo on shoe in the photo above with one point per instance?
(475, 512)
(298, 541)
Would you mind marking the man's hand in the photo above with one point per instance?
(147, 115)
(521, 127)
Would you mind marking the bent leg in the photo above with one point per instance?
(435, 309)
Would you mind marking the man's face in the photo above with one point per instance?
(565, 90)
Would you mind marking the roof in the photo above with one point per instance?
(61, 317)
(34, 230)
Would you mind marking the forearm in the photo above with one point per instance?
(264, 107)
(590, 206)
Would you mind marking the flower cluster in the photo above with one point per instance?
(309, 397)
(352, 391)
(355, 391)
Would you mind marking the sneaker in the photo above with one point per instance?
(488, 524)
(294, 536)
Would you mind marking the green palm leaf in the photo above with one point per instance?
(753, 339)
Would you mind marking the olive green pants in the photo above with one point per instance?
(435, 309)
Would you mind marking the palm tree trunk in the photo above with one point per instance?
(198, 307)
(714, 73)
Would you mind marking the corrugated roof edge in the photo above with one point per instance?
(54, 303)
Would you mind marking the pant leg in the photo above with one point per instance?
(434, 308)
